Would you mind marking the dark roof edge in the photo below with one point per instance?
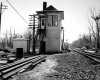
(46, 11)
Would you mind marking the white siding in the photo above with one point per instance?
(20, 43)
(53, 36)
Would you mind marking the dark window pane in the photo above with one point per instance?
(43, 22)
(49, 20)
(55, 20)
(52, 20)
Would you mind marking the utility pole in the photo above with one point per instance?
(97, 19)
(1, 8)
(0, 14)
(97, 34)
(33, 25)
(62, 28)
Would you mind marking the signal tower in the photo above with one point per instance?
(49, 33)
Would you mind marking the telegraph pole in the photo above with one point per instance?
(33, 25)
(1, 8)
(0, 14)
(97, 19)
(62, 28)
(97, 34)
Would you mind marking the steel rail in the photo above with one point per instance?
(17, 66)
(90, 56)
(16, 62)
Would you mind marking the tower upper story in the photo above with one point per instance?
(50, 16)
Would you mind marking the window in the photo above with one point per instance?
(42, 23)
(52, 20)
(49, 20)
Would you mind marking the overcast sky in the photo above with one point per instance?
(76, 15)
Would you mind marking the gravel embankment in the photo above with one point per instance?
(69, 66)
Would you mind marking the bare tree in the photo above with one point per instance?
(91, 31)
(96, 19)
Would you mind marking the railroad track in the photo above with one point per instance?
(93, 57)
(9, 70)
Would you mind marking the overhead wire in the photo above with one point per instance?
(17, 12)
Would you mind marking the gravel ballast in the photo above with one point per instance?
(66, 66)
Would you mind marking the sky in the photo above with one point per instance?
(76, 15)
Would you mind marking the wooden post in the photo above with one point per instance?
(0, 14)
(33, 33)
(1, 8)
(33, 25)
(98, 36)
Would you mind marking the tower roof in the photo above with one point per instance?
(51, 8)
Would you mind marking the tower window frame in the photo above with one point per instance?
(52, 20)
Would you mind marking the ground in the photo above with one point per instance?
(66, 66)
